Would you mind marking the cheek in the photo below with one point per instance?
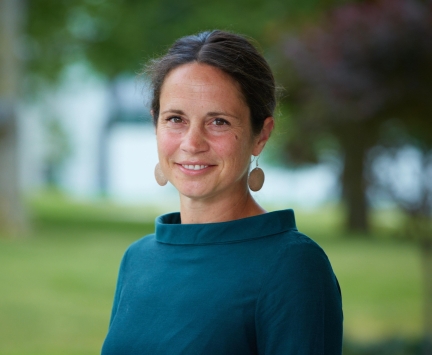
(233, 147)
(166, 144)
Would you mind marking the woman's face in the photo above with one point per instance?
(204, 133)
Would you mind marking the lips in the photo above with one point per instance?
(194, 167)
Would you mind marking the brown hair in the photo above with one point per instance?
(231, 53)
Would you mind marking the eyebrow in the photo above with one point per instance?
(179, 112)
(221, 113)
(211, 113)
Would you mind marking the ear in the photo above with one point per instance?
(263, 136)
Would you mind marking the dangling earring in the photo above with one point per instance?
(256, 178)
(159, 176)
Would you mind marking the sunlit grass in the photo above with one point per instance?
(58, 284)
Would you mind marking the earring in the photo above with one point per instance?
(256, 178)
(159, 176)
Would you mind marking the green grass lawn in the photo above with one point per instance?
(57, 284)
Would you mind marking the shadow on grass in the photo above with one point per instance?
(394, 346)
(53, 212)
(77, 226)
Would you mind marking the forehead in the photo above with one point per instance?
(199, 79)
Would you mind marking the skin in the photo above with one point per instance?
(204, 123)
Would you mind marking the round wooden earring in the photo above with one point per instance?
(159, 176)
(256, 178)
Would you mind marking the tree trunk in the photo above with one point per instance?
(353, 179)
(426, 254)
(12, 219)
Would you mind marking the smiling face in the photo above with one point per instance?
(204, 133)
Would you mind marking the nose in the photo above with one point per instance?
(194, 140)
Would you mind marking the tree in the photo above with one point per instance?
(364, 66)
(403, 172)
(12, 220)
(114, 37)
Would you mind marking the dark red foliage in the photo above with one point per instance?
(364, 61)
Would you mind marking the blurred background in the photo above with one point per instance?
(352, 153)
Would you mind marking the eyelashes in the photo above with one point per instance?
(215, 122)
(174, 119)
(220, 122)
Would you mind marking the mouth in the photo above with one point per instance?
(194, 167)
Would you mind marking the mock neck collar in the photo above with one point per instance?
(169, 229)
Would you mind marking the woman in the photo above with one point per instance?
(223, 276)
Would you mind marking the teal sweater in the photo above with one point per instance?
(249, 286)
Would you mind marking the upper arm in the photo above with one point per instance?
(118, 288)
(299, 310)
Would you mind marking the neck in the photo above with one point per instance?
(219, 210)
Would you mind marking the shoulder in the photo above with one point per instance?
(297, 253)
(299, 267)
(142, 243)
(300, 274)
(138, 250)
(302, 248)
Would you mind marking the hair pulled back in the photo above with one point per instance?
(231, 53)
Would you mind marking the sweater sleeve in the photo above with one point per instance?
(119, 286)
(299, 309)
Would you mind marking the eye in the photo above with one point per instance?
(220, 122)
(175, 119)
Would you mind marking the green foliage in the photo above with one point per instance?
(115, 36)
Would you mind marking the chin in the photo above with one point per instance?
(193, 190)
(194, 194)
